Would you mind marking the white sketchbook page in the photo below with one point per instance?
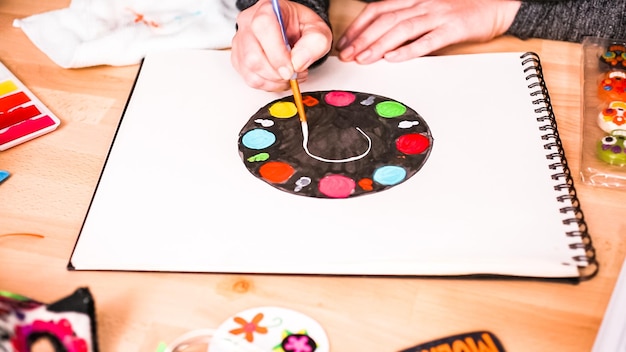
(612, 333)
(175, 195)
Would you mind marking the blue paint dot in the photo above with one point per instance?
(258, 139)
(389, 175)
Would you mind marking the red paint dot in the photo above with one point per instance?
(412, 143)
(276, 171)
(339, 98)
(337, 186)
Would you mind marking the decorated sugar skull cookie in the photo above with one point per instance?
(614, 57)
(612, 148)
(274, 329)
(612, 117)
(613, 86)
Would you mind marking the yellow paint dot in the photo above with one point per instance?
(283, 110)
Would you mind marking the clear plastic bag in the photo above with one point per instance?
(603, 161)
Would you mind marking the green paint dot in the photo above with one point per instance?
(390, 109)
(259, 157)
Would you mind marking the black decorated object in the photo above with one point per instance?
(67, 325)
(352, 144)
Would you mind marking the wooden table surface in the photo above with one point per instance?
(53, 179)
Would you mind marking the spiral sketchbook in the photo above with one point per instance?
(492, 195)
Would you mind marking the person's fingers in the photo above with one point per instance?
(271, 41)
(259, 52)
(424, 45)
(367, 16)
(398, 30)
(389, 32)
(257, 74)
(253, 66)
(255, 80)
(360, 23)
(315, 42)
(381, 34)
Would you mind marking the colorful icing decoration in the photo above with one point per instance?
(612, 148)
(249, 329)
(613, 86)
(271, 329)
(614, 57)
(63, 326)
(612, 118)
(298, 343)
(59, 334)
(351, 145)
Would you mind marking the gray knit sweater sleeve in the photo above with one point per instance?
(570, 20)
(319, 6)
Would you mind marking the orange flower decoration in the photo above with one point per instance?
(249, 328)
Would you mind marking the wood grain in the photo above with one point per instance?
(53, 180)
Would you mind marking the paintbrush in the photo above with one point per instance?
(297, 96)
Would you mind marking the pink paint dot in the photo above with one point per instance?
(337, 186)
(339, 98)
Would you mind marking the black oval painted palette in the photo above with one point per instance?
(351, 145)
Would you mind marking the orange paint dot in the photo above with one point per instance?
(366, 184)
(276, 171)
(309, 101)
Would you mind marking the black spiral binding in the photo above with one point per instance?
(539, 91)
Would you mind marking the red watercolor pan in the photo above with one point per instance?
(22, 115)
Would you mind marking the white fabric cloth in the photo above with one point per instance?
(122, 32)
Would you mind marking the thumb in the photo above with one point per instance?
(312, 45)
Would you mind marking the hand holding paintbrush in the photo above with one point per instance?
(293, 82)
(259, 51)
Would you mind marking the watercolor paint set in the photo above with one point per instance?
(22, 115)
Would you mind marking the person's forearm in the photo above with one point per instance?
(570, 20)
